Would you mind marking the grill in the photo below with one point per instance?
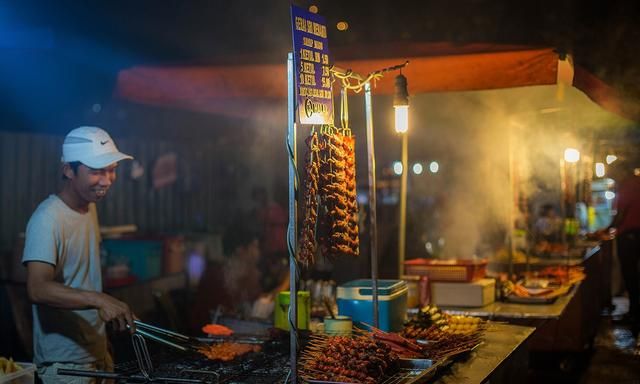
(269, 366)
(175, 363)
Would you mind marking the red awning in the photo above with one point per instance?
(259, 90)
(606, 96)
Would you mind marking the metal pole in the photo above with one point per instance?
(373, 229)
(563, 200)
(402, 225)
(510, 213)
(292, 230)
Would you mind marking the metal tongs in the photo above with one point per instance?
(164, 336)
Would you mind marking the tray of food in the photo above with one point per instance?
(408, 371)
(530, 292)
(465, 270)
(530, 299)
(342, 359)
(442, 336)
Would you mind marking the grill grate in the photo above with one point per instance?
(268, 366)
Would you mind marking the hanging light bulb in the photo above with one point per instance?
(401, 104)
(571, 155)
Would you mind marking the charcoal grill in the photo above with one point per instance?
(179, 365)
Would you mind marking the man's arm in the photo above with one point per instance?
(43, 289)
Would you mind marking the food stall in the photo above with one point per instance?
(565, 324)
(333, 148)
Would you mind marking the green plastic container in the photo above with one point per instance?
(281, 311)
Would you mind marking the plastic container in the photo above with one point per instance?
(340, 326)
(461, 270)
(355, 299)
(413, 290)
(475, 294)
(281, 311)
(24, 376)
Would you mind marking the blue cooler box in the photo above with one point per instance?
(355, 299)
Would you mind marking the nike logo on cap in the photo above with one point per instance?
(104, 142)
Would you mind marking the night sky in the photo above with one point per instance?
(59, 58)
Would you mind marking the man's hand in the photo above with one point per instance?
(42, 289)
(116, 312)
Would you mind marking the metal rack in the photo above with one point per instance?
(411, 371)
(357, 83)
(177, 364)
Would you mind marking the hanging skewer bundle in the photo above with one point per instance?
(331, 210)
(358, 359)
(338, 199)
(308, 232)
(349, 144)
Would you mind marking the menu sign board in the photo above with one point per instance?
(311, 61)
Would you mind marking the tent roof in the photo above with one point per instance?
(252, 90)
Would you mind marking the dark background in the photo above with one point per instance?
(60, 58)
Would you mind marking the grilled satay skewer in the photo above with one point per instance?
(307, 249)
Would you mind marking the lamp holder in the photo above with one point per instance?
(401, 95)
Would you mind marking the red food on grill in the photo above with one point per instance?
(217, 329)
(227, 351)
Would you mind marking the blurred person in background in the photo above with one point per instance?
(626, 224)
(548, 225)
(230, 287)
(271, 221)
(547, 232)
(62, 256)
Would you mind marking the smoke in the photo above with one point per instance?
(473, 136)
(500, 153)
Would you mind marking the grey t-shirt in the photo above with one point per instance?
(70, 241)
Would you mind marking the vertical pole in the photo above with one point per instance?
(563, 200)
(373, 229)
(292, 230)
(510, 213)
(402, 225)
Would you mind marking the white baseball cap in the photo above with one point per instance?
(91, 146)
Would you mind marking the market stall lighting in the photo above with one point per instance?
(402, 118)
(600, 169)
(609, 195)
(417, 168)
(401, 104)
(434, 167)
(611, 158)
(397, 168)
(571, 155)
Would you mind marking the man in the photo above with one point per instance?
(62, 256)
(627, 225)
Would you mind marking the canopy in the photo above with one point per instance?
(254, 90)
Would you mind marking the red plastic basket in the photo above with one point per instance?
(447, 270)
